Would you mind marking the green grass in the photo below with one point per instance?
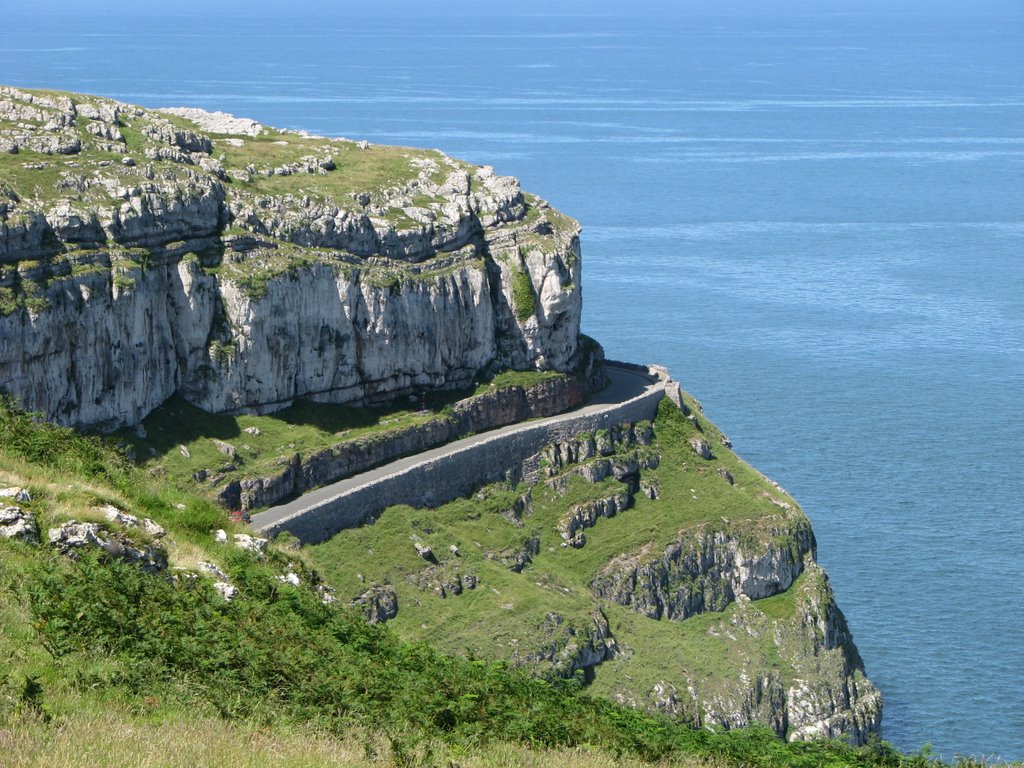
(376, 168)
(506, 616)
(523, 298)
(510, 378)
(303, 428)
(105, 664)
(373, 170)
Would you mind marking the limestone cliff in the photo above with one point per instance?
(145, 253)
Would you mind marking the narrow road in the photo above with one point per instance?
(624, 385)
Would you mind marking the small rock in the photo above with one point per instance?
(201, 475)
(185, 575)
(20, 495)
(115, 515)
(128, 161)
(326, 594)
(185, 451)
(220, 536)
(454, 550)
(251, 543)
(17, 524)
(153, 529)
(378, 603)
(226, 448)
(726, 475)
(212, 569)
(254, 431)
(228, 591)
(726, 442)
(650, 488)
(701, 447)
(425, 552)
(469, 581)
(140, 431)
(289, 578)
(74, 535)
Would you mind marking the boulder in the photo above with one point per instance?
(227, 591)
(378, 604)
(17, 524)
(249, 543)
(701, 447)
(19, 495)
(72, 537)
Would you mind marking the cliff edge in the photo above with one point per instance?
(146, 253)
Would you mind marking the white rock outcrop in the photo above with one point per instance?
(74, 536)
(135, 282)
(18, 524)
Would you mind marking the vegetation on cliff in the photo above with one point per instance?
(634, 594)
(630, 561)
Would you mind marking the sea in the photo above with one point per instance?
(811, 212)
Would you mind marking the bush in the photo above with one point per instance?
(522, 296)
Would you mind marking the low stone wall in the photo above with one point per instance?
(490, 410)
(459, 471)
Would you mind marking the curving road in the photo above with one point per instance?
(624, 386)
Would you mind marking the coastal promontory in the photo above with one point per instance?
(256, 313)
(145, 253)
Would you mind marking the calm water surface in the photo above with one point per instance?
(815, 219)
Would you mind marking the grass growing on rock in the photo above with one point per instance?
(523, 296)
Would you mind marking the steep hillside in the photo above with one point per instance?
(263, 311)
(134, 629)
(146, 253)
(648, 560)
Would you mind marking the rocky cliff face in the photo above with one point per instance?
(145, 253)
(824, 693)
(709, 568)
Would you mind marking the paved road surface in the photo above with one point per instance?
(624, 385)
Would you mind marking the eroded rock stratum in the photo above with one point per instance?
(145, 253)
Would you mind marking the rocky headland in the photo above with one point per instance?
(150, 254)
(145, 253)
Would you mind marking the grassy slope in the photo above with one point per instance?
(507, 616)
(106, 665)
(304, 428)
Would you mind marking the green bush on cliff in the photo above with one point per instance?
(522, 296)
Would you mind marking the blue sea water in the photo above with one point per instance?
(813, 213)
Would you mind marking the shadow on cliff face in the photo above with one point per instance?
(181, 440)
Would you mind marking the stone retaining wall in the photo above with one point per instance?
(480, 413)
(457, 472)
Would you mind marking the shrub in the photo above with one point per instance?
(522, 296)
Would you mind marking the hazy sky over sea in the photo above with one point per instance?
(200, 9)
